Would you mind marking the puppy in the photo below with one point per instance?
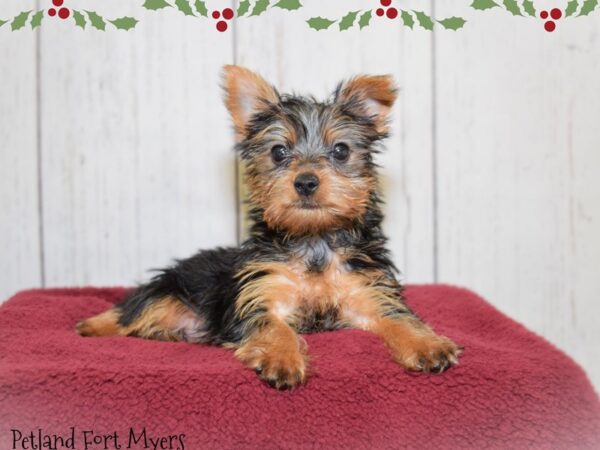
(316, 257)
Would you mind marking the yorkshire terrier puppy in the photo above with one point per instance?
(316, 257)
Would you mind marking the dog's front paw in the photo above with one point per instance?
(282, 371)
(430, 353)
(282, 367)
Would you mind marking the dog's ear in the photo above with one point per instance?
(246, 93)
(369, 96)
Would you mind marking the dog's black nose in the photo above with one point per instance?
(306, 184)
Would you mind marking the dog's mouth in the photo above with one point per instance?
(307, 204)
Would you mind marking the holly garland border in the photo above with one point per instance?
(254, 8)
(409, 18)
(245, 9)
(527, 8)
(81, 19)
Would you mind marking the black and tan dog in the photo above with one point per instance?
(316, 258)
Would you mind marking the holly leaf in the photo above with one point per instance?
(452, 23)
(513, 7)
(587, 7)
(365, 20)
(2, 22)
(201, 8)
(124, 23)
(528, 7)
(36, 20)
(243, 7)
(79, 19)
(19, 21)
(348, 20)
(156, 4)
(319, 23)
(260, 7)
(571, 8)
(424, 20)
(407, 18)
(96, 20)
(484, 4)
(184, 7)
(290, 5)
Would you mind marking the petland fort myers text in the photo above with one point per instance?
(75, 439)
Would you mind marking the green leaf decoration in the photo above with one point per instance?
(365, 20)
(19, 21)
(2, 22)
(184, 7)
(79, 19)
(528, 7)
(424, 20)
(513, 7)
(156, 4)
(484, 4)
(260, 7)
(201, 8)
(290, 5)
(36, 20)
(571, 8)
(124, 23)
(243, 7)
(96, 20)
(348, 20)
(319, 23)
(452, 23)
(407, 18)
(587, 7)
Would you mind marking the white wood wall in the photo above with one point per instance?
(115, 149)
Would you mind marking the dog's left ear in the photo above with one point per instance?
(246, 94)
(369, 96)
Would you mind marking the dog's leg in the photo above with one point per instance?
(267, 302)
(166, 319)
(104, 324)
(276, 353)
(413, 344)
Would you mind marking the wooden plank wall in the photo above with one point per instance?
(518, 157)
(20, 251)
(136, 147)
(116, 150)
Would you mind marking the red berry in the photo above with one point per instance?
(222, 26)
(57, 2)
(216, 15)
(385, 2)
(392, 13)
(64, 13)
(380, 12)
(544, 14)
(549, 26)
(228, 13)
(556, 13)
(51, 12)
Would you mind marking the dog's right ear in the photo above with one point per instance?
(369, 96)
(246, 93)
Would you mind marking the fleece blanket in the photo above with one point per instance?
(512, 389)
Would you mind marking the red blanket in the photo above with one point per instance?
(511, 390)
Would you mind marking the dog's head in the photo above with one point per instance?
(309, 164)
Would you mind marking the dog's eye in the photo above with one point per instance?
(341, 152)
(278, 154)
